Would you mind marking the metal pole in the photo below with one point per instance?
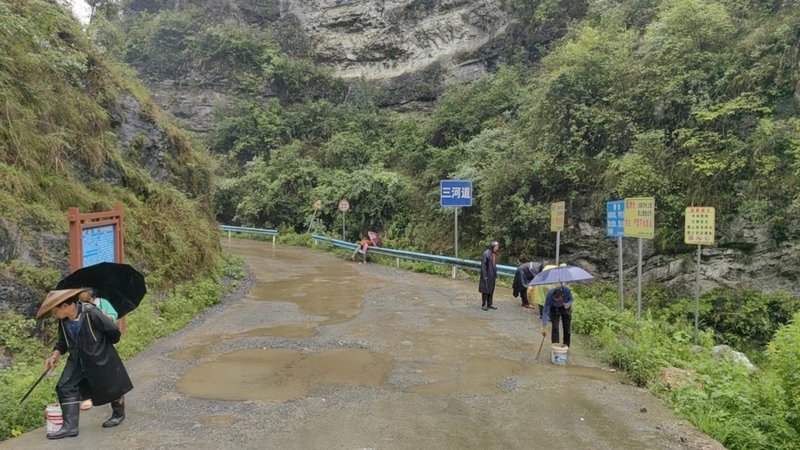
(455, 216)
(344, 234)
(313, 216)
(273, 242)
(456, 222)
(697, 297)
(621, 288)
(639, 283)
(558, 245)
(229, 236)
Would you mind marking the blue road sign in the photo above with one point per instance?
(98, 245)
(615, 218)
(455, 193)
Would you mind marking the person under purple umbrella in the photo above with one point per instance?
(558, 303)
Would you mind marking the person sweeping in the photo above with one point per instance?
(93, 369)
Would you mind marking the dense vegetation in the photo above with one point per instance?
(690, 101)
(58, 149)
(741, 408)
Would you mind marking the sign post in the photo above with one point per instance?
(455, 194)
(317, 207)
(344, 206)
(557, 224)
(639, 216)
(699, 229)
(615, 227)
(96, 238)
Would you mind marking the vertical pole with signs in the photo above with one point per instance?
(344, 206)
(640, 223)
(557, 224)
(615, 227)
(699, 229)
(317, 207)
(456, 194)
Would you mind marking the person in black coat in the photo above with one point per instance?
(524, 275)
(94, 369)
(488, 275)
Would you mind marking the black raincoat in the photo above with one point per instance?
(488, 273)
(94, 353)
(524, 275)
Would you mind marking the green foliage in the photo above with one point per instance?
(37, 278)
(739, 408)
(157, 316)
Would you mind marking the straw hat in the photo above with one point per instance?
(55, 298)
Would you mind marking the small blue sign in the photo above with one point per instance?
(98, 245)
(455, 193)
(615, 218)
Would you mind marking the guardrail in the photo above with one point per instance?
(231, 229)
(507, 271)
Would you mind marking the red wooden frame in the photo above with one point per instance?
(78, 221)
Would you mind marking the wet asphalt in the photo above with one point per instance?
(312, 352)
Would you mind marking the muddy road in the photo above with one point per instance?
(327, 354)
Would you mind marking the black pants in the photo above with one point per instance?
(487, 299)
(524, 295)
(560, 314)
(75, 387)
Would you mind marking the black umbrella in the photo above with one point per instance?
(120, 284)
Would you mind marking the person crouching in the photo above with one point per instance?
(94, 369)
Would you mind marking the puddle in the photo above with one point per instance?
(220, 421)
(339, 297)
(282, 375)
(328, 288)
(297, 330)
(300, 330)
(192, 353)
(476, 376)
(481, 375)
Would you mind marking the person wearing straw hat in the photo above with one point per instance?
(94, 369)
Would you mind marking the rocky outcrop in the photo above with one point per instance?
(386, 39)
(746, 257)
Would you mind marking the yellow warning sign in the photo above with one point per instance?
(557, 216)
(700, 225)
(640, 217)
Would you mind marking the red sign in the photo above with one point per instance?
(344, 206)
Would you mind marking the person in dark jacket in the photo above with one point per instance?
(488, 275)
(94, 369)
(524, 275)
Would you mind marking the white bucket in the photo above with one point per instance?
(52, 415)
(558, 354)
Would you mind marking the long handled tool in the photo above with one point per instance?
(540, 351)
(34, 385)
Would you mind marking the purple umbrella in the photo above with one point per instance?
(563, 274)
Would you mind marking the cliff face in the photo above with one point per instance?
(387, 39)
(409, 49)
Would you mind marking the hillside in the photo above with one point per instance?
(689, 101)
(78, 130)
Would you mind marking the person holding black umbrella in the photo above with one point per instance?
(94, 369)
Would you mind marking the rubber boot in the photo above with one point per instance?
(71, 413)
(117, 413)
(483, 302)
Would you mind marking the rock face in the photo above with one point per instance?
(410, 49)
(386, 39)
(745, 257)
